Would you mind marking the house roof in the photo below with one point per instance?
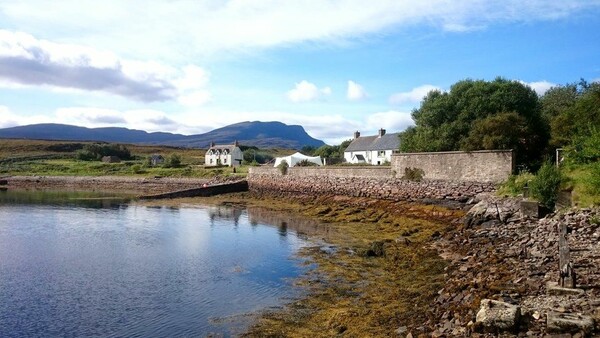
(228, 147)
(385, 142)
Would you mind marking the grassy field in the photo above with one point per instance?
(58, 158)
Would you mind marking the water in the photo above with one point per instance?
(100, 267)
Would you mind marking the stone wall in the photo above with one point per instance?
(474, 166)
(373, 182)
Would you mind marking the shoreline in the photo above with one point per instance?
(383, 250)
(134, 185)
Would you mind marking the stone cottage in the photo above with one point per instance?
(230, 155)
(375, 150)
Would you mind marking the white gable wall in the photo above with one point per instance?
(374, 157)
(231, 159)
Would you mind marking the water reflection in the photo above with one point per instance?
(138, 271)
(301, 226)
(224, 212)
(85, 199)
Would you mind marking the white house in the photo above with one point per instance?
(230, 155)
(374, 150)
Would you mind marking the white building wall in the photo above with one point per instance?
(374, 157)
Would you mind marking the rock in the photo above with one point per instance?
(552, 288)
(401, 330)
(568, 322)
(494, 316)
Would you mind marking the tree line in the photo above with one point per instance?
(507, 114)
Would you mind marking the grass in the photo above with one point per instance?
(58, 158)
(583, 180)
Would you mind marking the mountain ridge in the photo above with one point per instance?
(271, 134)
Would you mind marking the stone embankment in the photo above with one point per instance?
(141, 185)
(497, 255)
(380, 187)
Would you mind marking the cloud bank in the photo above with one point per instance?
(180, 29)
(27, 61)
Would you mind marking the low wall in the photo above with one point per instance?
(373, 182)
(475, 166)
(207, 191)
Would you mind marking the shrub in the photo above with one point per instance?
(306, 163)
(137, 169)
(283, 167)
(545, 185)
(413, 174)
(515, 184)
(174, 161)
(95, 151)
(592, 182)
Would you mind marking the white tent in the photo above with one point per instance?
(297, 157)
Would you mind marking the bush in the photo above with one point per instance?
(95, 152)
(174, 161)
(306, 163)
(137, 169)
(413, 174)
(515, 184)
(584, 149)
(545, 185)
(592, 182)
(283, 167)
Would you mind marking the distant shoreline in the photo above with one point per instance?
(137, 185)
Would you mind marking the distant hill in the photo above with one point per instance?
(259, 134)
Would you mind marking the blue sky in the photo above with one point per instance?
(331, 66)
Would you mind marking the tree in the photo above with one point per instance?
(460, 119)
(174, 161)
(96, 151)
(571, 111)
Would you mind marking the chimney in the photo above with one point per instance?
(381, 132)
(212, 144)
(356, 134)
(236, 143)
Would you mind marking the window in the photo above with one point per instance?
(381, 153)
(225, 160)
(211, 161)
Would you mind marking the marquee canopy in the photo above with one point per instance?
(293, 159)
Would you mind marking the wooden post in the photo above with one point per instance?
(566, 272)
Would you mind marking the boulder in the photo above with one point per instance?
(496, 316)
(569, 322)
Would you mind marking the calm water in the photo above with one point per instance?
(97, 267)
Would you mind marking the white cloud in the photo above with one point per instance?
(540, 87)
(393, 121)
(305, 91)
(10, 119)
(355, 91)
(414, 96)
(184, 29)
(29, 62)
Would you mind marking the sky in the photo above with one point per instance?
(331, 66)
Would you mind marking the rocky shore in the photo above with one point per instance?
(502, 268)
(500, 259)
(134, 185)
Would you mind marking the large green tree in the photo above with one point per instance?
(573, 112)
(478, 114)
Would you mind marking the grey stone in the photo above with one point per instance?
(495, 316)
(552, 288)
(568, 322)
